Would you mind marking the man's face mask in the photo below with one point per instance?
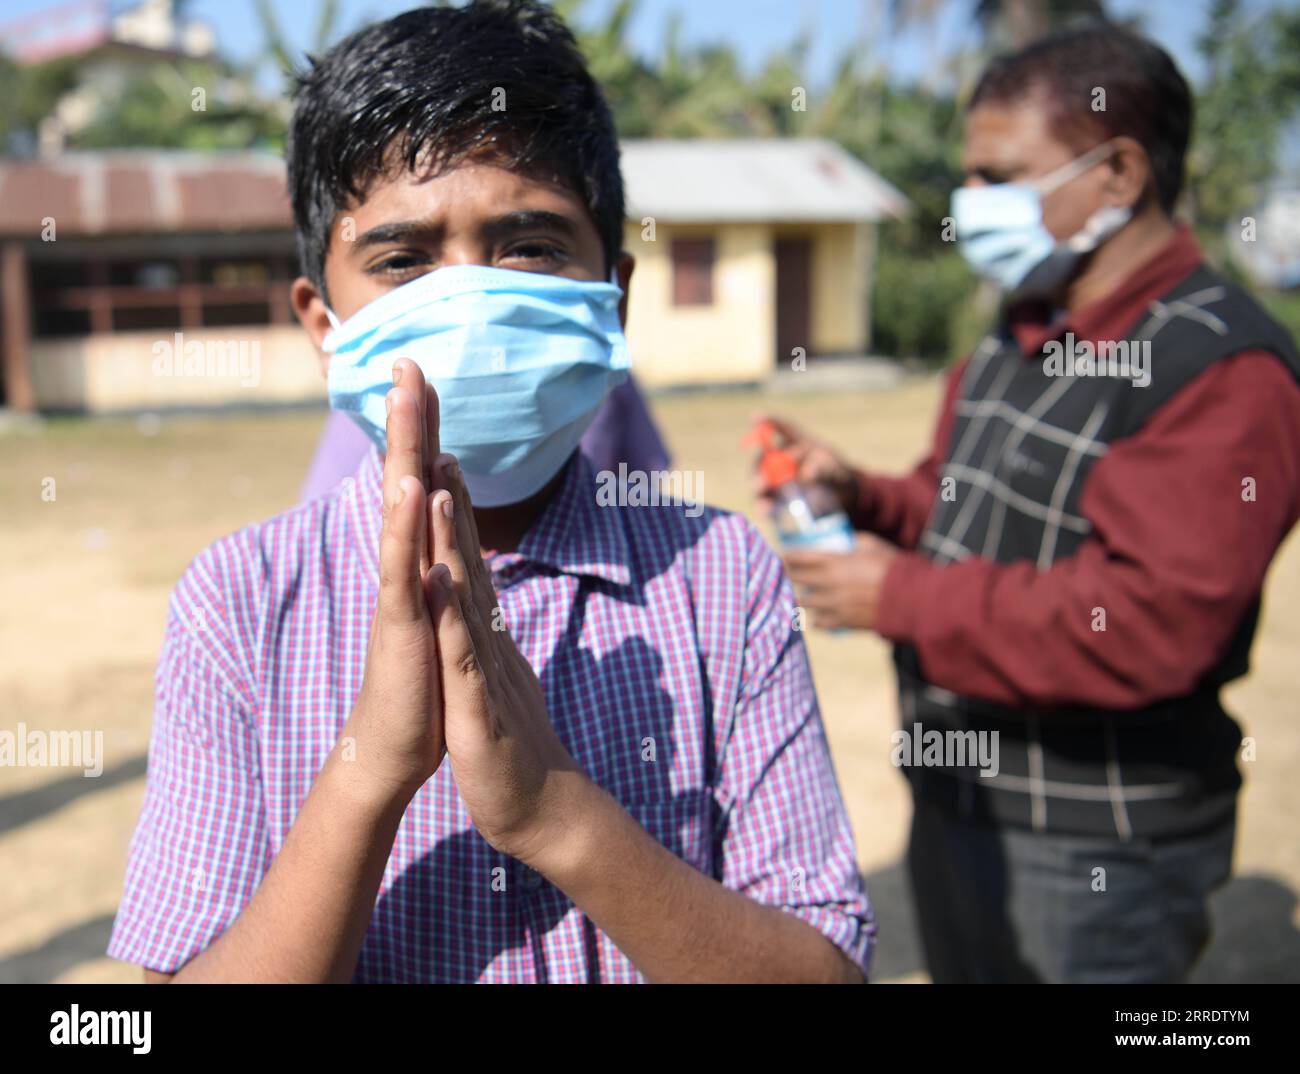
(1000, 230)
(521, 362)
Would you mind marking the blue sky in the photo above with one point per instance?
(753, 27)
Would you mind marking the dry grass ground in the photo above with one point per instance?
(84, 582)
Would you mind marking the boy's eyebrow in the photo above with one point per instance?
(397, 231)
(529, 219)
(498, 227)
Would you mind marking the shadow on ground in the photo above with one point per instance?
(40, 965)
(28, 806)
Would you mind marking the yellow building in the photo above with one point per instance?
(751, 256)
(140, 280)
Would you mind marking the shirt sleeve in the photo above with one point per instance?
(785, 837)
(1186, 514)
(200, 848)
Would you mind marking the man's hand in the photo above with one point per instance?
(521, 786)
(842, 589)
(818, 463)
(397, 722)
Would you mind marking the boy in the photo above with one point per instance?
(591, 752)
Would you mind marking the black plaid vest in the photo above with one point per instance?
(1022, 445)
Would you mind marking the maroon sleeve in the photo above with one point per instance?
(897, 508)
(1179, 550)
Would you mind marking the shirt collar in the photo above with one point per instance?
(573, 534)
(1033, 323)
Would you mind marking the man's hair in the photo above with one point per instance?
(1146, 98)
(418, 92)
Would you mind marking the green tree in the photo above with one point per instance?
(159, 107)
(29, 93)
(1252, 90)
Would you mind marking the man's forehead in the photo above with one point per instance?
(1009, 132)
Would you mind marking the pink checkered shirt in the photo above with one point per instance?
(672, 672)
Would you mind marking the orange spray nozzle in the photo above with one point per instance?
(775, 466)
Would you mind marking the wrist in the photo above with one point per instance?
(576, 825)
(858, 498)
(366, 784)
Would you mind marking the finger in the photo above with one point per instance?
(432, 424)
(442, 530)
(400, 596)
(869, 543)
(807, 577)
(814, 599)
(807, 562)
(787, 430)
(827, 620)
(450, 477)
(410, 377)
(443, 509)
(412, 381)
(463, 685)
(479, 597)
(404, 455)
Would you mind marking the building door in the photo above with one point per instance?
(793, 299)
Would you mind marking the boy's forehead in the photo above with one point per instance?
(461, 194)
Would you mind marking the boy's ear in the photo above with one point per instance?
(309, 308)
(624, 266)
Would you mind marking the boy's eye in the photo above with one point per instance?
(404, 264)
(534, 250)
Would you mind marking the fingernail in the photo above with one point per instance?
(397, 374)
(447, 508)
(401, 495)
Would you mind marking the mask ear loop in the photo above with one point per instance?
(1072, 169)
(1098, 228)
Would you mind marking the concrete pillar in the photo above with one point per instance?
(16, 302)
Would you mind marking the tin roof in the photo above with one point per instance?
(142, 191)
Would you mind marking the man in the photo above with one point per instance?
(576, 743)
(1075, 570)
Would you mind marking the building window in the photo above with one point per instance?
(105, 294)
(692, 272)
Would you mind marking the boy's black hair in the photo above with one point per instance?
(419, 90)
(1147, 97)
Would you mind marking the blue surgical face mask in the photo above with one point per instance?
(1000, 230)
(521, 362)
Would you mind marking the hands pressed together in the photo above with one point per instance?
(443, 676)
